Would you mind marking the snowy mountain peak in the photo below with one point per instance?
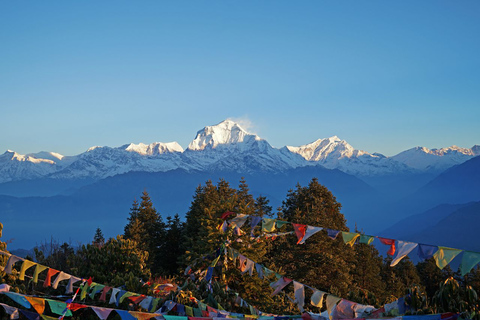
(322, 149)
(154, 148)
(226, 132)
(435, 159)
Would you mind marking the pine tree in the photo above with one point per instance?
(148, 230)
(98, 239)
(368, 285)
(321, 262)
(172, 245)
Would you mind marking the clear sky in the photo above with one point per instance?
(383, 75)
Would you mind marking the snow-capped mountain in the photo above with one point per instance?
(226, 146)
(436, 160)
(334, 153)
(14, 166)
(102, 162)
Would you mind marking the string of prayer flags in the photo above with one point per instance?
(445, 255)
(300, 230)
(350, 237)
(317, 298)
(404, 248)
(426, 251)
(469, 260)
(389, 242)
(310, 232)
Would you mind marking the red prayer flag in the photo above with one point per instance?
(48, 281)
(300, 230)
(137, 299)
(226, 214)
(389, 242)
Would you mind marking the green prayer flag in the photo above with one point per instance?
(167, 317)
(197, 312)
(154, 304)
(202, 306)
(268, 225)
(126, 295)
(350, 237)
(83, 293)
(189, 311)
(366, 239)
(280, 223)
(58, 307)
(469, 260)
(445, 255)
(97, 287)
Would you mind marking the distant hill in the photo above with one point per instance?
(457, 230)
(106, 203)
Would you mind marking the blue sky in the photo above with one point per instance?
(383, 75)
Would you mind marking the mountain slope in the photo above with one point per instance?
(106, 203)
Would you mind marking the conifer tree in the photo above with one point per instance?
(321, 262)
(98, 238)
(146, 227)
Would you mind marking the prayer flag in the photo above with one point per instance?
(404, 248)
(388, 242)
(445, 255)
(350, 237)
(25, 265)
(268, 225)
(310, 232)
(317, 298)
(299, 295)
(426, 251)
(469, 260)
(300, 230)
(366, 239)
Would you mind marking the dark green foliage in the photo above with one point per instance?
(170, 249)
(321, 262)
(98, 239)
(366, 276)
(146, 227)
(118, 262)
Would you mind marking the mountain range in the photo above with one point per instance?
(46, 193)
(226, 146)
